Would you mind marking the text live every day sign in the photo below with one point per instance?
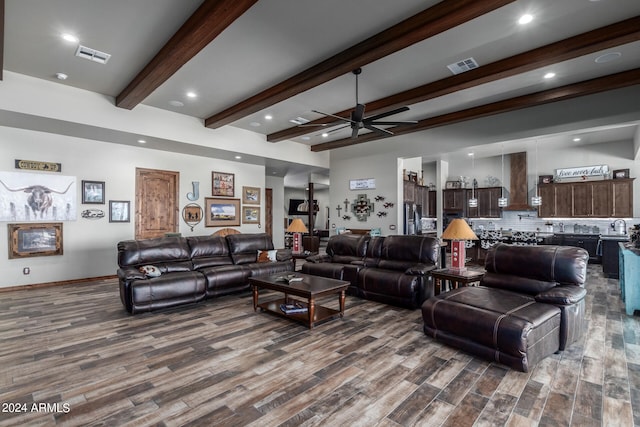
(582, 172)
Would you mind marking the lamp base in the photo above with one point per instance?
(297, 243)
(457, 254)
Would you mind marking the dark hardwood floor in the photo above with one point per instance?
(71, 355)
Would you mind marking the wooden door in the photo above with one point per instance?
(268, 211)
(156, 202)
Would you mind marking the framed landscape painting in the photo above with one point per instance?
(251, 195)
(222, 184)
(93, 192)
(221, 212)
(39, 239)
(250, 215)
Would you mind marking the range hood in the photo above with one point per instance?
(519, 191)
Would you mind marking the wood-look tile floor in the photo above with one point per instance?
(73, 352)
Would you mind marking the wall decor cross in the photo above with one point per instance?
(339, 208)
(346, 205)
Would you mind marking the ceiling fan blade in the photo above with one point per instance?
(344, 119)
(405, 122)
(354, 131)
(378, 130)
(337, 129)
(388, 113)
(358, 113)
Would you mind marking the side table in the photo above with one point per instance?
(456, 276)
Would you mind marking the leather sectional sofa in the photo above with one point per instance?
(392, 269)
(529, 305)
(192, 269)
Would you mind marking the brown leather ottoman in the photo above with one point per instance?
(508, 327)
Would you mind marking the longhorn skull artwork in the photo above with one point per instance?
(40, 202)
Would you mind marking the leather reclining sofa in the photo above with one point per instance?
(193, 268)
(529, 305)
(392, 269)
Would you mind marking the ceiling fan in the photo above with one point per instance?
(359, 121)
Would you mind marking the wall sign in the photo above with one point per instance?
(582, 172)
(362, 184)
(38, 166)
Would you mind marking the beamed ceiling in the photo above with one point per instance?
(246, 59)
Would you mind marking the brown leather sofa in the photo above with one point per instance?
(529, 305)
(392, 269)
(192, 268)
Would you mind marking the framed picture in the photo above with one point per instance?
(251, 195)
(620, 173)
(119, 211)
(250, 215)
(35, 239)
(93, 192)
(545, 179)
(452, 185)
(221, 212)
(222, 184)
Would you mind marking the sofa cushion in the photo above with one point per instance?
(402, 252)
(166, 291)
(169, 254)
(345, 248)
(209, 251)
(244, 247)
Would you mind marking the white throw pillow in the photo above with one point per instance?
(150, 270)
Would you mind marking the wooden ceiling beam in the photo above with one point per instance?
(588, 87)
(432, 21)
(206, 23)
(617, 34)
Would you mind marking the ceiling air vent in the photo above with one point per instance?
(462, 66)
(92, 54)
(299, 121)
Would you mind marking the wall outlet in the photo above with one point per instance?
(26, 270)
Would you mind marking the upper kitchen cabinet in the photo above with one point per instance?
(487, 203)
(592, 199)
(454, 200)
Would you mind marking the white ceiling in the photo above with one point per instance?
(276, 39)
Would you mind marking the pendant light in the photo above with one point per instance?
(536, 200)
(473, 202)
(502, 201)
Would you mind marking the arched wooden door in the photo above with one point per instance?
(157, 208)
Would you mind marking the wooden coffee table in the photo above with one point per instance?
(310, 288)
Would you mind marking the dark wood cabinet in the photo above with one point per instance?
(589, 242)
(611, 258)
(454, 200)
(409, 191)
(595, 199)
(487, 203)
(431, 209)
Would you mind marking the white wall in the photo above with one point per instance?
(90, 245)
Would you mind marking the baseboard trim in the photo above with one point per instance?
(60, 283)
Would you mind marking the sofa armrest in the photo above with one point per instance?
(420, 269)
(130, 273)
(283, 255)
(562, 295)
(319, 258)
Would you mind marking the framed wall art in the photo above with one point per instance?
(221, 212)
(250, 215)
(251, 195)
(35, 239)
(620, 173)
(222, 184)
(93, 192)
(119, 211)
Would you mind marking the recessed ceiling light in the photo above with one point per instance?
(192, 95)
(254, 124)
(70, 38)
(176, 103)
(549, 75)
(305, 138)
(470, 154)
(324, 135)
(525, 19)
(607, 57)
(268, 117)
(142, 141)
(61, 76)
(576, 139)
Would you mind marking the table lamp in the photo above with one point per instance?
(297, 227)
(458, 231)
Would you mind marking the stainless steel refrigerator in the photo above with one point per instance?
(412, 218)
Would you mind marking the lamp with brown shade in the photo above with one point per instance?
(458, 231)
(297, 227)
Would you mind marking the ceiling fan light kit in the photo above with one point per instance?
(357, 119)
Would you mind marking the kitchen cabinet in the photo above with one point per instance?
(454, 200)
(611, 257)
(589, 242)
(409, 191)
(431, 210)
(487, 203)
(593, 199)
